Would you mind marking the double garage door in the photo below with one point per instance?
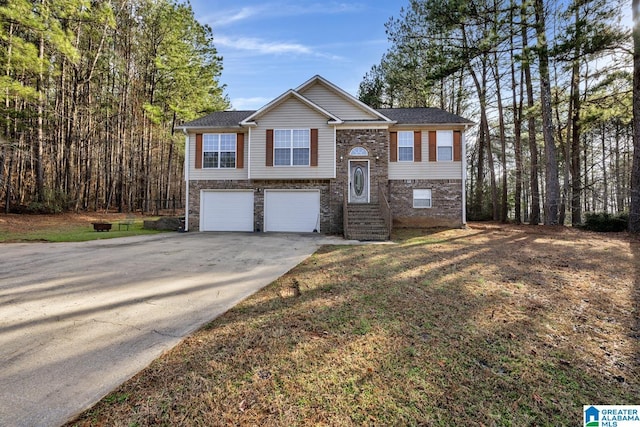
(284, 210)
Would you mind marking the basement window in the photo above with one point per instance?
(421, 199)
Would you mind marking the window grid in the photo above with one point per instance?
(422, 198)
(219, 150)
(445, 145)
(292, 147)
(405, 146)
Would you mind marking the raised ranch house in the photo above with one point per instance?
(316, 159)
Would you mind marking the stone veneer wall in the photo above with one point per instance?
(259, 186)
(376, 142)
(446, 202)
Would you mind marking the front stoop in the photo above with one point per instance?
(365, 222)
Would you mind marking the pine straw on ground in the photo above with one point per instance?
(492, 325)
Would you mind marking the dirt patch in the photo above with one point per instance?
(20, 223)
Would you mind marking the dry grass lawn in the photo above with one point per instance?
(493, 325)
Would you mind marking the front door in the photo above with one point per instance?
(358, 181)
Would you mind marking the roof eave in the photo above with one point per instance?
(205, 127)
(464, 124)
(367, 122)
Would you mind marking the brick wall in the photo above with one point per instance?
(446, 202)
(376, 142)
(446, 207)
(258, 186)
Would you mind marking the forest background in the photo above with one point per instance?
(92, 92)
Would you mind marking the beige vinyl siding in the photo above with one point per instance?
(217, 174)
(335, 103)
(293, 114)
(425, 169)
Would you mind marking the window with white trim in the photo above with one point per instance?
(444, 140)
(422, 198)
(218, 150)
(358, 151)
(405, 146)
(292, 147)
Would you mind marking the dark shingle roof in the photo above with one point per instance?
(219, 119)
(422, 116)
(414, 116)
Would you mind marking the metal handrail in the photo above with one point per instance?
(345, 215)
(385, 209)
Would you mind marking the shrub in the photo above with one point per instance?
(55, 202)
(605, 222)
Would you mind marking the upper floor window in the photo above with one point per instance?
(219, 150)
(405, 146)
(445, 145)
(291, 147)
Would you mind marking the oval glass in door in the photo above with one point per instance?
(358, 181)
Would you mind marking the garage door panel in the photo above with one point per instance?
(227, 211)
(292, 211)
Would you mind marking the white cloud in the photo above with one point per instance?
(233, 16)
(263, 47)
(280, 9)
(253, 103)
(324, 8)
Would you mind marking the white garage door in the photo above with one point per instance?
(297, 211)
(226, 211)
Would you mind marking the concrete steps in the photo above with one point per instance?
(364, 222)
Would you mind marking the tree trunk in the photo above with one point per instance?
(617, 170)
(605, 180)
(574, 117)
(634, 208)
(576, 181)
(7, 197)
(564, 148)
(504, 206)
(517, 125)
(492, 168)
(552, 185)
(39, 149)
(534, 216)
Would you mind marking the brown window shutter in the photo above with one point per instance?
(314, 147)
(417, 146)
(198, 151)
(269, 152)
(393, 146)
(457, 146)
(240, 150)
(432, 146)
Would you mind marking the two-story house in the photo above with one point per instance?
(316, 159)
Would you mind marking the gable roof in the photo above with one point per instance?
(422, 116)
(398, 116)
(342, 94)
(279, 100)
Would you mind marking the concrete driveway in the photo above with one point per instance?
(78, 319)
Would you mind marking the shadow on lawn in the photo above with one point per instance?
(493, 329)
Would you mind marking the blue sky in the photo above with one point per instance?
(271, 46)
